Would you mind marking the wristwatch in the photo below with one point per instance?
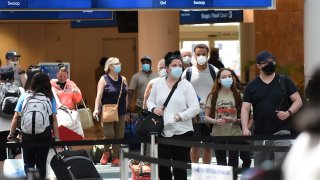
(290, 112)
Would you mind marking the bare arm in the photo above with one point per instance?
(23, 79)
(130, 95)
(13, 125)
(101, 84)
(55, 127)
(295, 106)
(126, 83)
(245, 109)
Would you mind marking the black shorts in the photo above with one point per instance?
(201, 129)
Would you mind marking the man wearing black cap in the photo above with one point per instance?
(12, 58)
(270, 115)
(140, 81)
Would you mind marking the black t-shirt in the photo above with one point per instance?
(265, 100)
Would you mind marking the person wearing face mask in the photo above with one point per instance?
(138, 84)
(270, 115)
(202, 76)
(223, 111)
(108, 92)
(162, 73)
(12, 59)
(186, 58)
(66, 90)
(181, 108)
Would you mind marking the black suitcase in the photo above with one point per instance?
(74, 165)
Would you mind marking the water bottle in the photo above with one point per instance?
(202, 113)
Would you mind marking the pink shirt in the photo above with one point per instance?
(70, 95)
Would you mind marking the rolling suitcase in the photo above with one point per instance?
(13, 168)
(73, 165)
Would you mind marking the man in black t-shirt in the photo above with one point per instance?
(269, 114)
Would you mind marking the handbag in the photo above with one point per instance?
(85, 115)
(68, 120)
(110, 111)
(153, 123)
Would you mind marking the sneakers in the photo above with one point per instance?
(115, 162)
(104, 158)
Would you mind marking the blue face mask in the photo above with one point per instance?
(146, 67)
(176, 72)
(226, 82)
(117, 69)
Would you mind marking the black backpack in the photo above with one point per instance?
(211, 69)
(287, 101)
(9, 95)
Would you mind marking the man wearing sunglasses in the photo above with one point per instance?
(13, 60)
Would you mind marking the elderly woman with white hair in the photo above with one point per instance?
(108, 92)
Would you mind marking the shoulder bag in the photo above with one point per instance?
(110, 111)
(152, 123)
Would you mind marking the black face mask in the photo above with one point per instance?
(269, 68)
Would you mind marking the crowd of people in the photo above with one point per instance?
(207, 100)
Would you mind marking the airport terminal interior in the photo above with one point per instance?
(139, 32)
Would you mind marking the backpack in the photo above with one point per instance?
(286, 99)
(9, 95)
(211, 69)
(35, 115)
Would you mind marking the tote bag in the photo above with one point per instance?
(85, 115)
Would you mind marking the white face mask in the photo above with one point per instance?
(163, 73)
(186, 60)
(13, 63)
(201, 60)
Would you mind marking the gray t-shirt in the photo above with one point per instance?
(139, 83)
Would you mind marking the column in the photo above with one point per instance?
(311, 37)
(158, 33)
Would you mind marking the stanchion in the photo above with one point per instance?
(124, 170)
(154, 154)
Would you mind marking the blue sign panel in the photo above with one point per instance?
(59, 4)
(29, 15)
(175, 4)
(85, 15)
(120, 4)
(242, 3)
(13, 4)
(51, 68)
(200, 17)
(54, 15)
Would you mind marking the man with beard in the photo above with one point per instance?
(270, 115)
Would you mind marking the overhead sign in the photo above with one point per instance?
(59, 5)
(55, 15)
(210, 16)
